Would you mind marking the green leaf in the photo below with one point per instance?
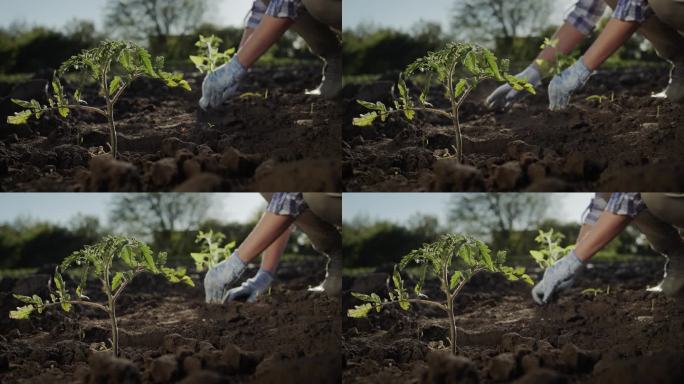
(365, 120)
(198, 61)
(59, 282)
(22, 312)
(360, 311)
(19, 118)
(146, 59)
(470, 63)
(66, 306)
(460, 87)
(23, 104)
(409, 113)
(116, 280)
(114, 85)
(456, 278)
(23, 299)
(491, 60)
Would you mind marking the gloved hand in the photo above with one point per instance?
(221, 84)
(251, 288)
(557, 278)
(562, 86)
(504, 96)
(219, 277)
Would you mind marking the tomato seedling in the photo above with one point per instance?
(212, 251)
(446, 65)
(453, 259)
(115, 262)
(113, 66)
(208, 56)
(550, 249)
(560, 62)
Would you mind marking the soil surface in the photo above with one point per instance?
(168, 334)
(279, 139)
(624, 335)
(626, 141)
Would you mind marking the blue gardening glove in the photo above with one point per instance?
(219, 277)
(562, 86)
(221, 84)
(557, 278)
(252, 288)
(505, 96)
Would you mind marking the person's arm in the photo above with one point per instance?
(568, 37)
(270, 30)
(271, 256)
(608, 226)
(615, 34)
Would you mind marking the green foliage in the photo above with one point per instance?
(453, 259)
(209, 57)
(475, 62)
(550, 249)
(212, 251)
(562, 61)
(114, 65)
(115, 262)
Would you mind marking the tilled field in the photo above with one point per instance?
(626, 141)
(623, 334)
(168, 334)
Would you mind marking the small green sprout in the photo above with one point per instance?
(115, 261)
(550, 249)
(454, 259)
(596, 291)
(212, 251)
(114, 66)
(446, 65)
(208, 56)
(555, 67)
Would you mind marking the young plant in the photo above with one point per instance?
(453, 259)
(212, 251)
(555, 67)
(475, 63)
(208, 56)
(113, 66)
(550, 249)
(115, 262)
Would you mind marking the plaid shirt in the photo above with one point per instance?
(276, 8)
(287, 204)
(625, 204)
(587, 13)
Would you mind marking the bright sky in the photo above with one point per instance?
(61, 207)
(56, 13)
(399, 207)
(403, 14)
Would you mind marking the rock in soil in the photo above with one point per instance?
(450, 175)
(163, 369)
(105, 368)
(107, 174)
(446, 368)
(502, 367)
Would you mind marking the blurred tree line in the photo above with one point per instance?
(513, 29)
(169, 28)
(505, 221)
(168, 222)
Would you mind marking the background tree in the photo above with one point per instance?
(499, 21)
(157, 20)
(498, 215)
(158, 216)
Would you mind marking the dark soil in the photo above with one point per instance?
(287, 141)
(168, 334)
(630, 143)
(626, 336)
